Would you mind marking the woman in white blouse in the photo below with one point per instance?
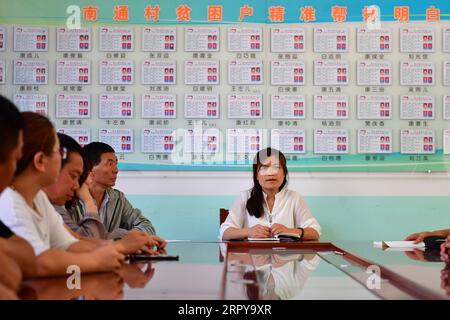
(269, 208)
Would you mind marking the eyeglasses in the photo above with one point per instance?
(63, 152)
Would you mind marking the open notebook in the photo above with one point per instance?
(285, 236)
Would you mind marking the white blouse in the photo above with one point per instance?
(289, 209)
(43, 229)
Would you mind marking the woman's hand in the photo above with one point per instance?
(259, 231)
(279, 228)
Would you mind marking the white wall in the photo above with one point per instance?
(308, 184)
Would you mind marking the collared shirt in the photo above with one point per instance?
(289, 209)
(43, 228)
(116, 213)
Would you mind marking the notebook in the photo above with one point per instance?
(284, 236)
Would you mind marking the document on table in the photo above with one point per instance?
(400, 245)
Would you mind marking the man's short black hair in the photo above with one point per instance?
(72, 146)
(11, 123)
(94, 151)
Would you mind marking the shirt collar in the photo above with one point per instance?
(277, 195)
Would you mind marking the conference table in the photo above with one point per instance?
(242, 270)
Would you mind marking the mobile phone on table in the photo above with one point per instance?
(146, 256)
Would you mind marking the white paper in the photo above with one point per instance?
(116, 72)
(115, 106)
(416, 39)
(73, 105)
(200, 72)
(331, 141)
(446, 39)
(201, 106)
(287, 39)
(374, 73)
(446, 73)
(73, 72)
(156, 72)
(121, 140)
(2, 38)
(245, 39)
(287, 73)
(245, 106)
(331, 72)
(245, 72)
(446, 107)
(289, 107)
(417, 141)
(446, 141)
(156, 140)
(81, 135)
(289, 140)
(33, 102)
(73, 40)
(2, 72)
(202, 39)
(374, 40)
(399, 244)
(330, 40)
(416, 107)
(116, 39)
(263, 239)
(159, 106)
(33, 39)
(374, 107)
(33, 72)
(159, 39)
(331, 107)
(244, 141)
(374, 140)
(201, 140)
(417, 73)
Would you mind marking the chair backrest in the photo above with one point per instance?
(223, 215)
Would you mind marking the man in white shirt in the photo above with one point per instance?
(17, 259)
(27, 211)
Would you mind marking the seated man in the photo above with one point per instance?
(17, 258)
(67, 186)
(114, 210)
(25, 209)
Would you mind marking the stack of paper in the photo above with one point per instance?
(399, 245)
(263, 239)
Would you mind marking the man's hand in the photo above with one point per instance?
(10, 274)
(136, 240)
(134, 275)
(84, 194)
(418, 237)
(108, 257)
